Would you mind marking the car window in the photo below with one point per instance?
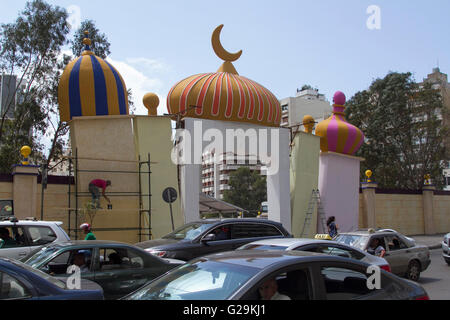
(41, 235)
(291, 285)
(395, 243)
(356, 241)
(202, 280)
(221, 233)
(119, 258)
(12, 237)
(11, 288)
(253, 230)
(344, 283)
(60, 264)
(188, 232)
(340, 252)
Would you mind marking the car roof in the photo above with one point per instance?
(30, 222)
(88, 243)
(255, 220)
(289, 241)
(261, 258)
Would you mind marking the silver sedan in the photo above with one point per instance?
(405, 257)
(320, 246)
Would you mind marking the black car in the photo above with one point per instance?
(119, 268)
(245, 274)
(19, 281)
(204, 237)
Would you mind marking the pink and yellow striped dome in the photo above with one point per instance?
(337, 135)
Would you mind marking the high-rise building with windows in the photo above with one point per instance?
(439, 81)
(216, 170)
(307, 101)
(10, 95)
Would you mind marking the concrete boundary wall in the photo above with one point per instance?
(404, 211)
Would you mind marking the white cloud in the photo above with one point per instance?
(151, 65)
(140, 83)
(74, 18)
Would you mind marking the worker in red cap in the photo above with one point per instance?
(86, 227)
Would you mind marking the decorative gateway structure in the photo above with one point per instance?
(339, 169)
(108, 143)
(225, 101)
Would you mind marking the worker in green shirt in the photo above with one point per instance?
(86, 227)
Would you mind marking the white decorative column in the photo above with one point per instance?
(339, 188)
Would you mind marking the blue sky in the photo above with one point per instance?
(286, 43)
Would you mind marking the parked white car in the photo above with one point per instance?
(446, 248)
(320, 246)
(20, 237)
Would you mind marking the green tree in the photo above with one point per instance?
(29, 50)
(402, 122)
(100, 45)
(248, 189)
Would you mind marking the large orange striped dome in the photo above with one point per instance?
(224, 95)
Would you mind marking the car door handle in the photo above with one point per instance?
(138, 276)
(22, 254)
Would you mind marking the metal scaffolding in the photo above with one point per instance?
(75, 171)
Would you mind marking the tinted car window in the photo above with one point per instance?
(249, 230)
(11, 288)
(12, 237)
(41, 235)
(344, 284)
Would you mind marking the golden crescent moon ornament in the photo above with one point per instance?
(218, 48)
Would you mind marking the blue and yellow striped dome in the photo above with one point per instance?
(90, 86)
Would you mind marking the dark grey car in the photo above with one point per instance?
(210, 236)
(238, 275)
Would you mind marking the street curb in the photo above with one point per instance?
(434, 247)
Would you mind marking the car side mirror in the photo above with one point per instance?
(209, 237)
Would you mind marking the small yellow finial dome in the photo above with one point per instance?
(25, 151)
(308, 123)
(369, 174)
(151, 102)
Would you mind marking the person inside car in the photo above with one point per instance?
(80, 261)
(6, 240)
(269, 291)
(114, 258)
(376, 249)
(221, 233)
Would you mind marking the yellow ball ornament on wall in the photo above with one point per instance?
(151, 102)
(25, 151)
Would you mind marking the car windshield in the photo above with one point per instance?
(39, 273)
(261, 247)
(203, 280)
(36, 259)
(189, 231)
(357, 241)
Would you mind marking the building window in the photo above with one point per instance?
(285, 107)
